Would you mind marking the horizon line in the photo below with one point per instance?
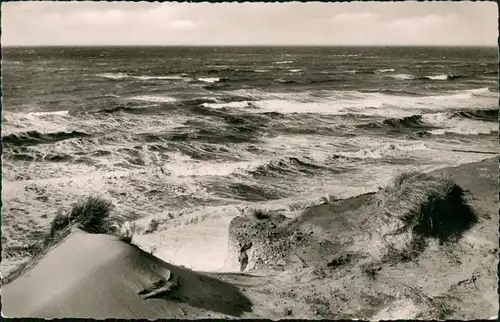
(251, 45)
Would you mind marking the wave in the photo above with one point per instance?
(373, 71)
(437, 120)
(386, 70)
(399, 92)
(211, 79)
(117, 76)
(234, 70)
(436, 77)
(324, 81)
(484, 92)
(391, 104)
(402, 76)
(364, 71)
(485, 115)
(120, 108)
(35, 137)
(20, 120)
(409, 121)
(285, 81)
(466, 122)
(298, 70)
(154, 99)
(283, 62)
(413, 121)
(441, 77)
(307, 81)
(237, 104)
(58, 113)
(35, 156)
(113, 75)
(490, 115)
(380, 152)
(210, 134)
(288, 165)
(159, 77)
(190, 169)
(461, 130)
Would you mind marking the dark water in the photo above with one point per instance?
(84, 79)
(213, 126)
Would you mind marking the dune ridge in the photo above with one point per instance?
(424, 247)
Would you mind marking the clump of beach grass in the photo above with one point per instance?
(91, 214)
(417, 206)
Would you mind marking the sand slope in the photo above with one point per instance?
(346, 272)
(98, 276)
(313, 266)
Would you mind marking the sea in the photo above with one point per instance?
(202, 132)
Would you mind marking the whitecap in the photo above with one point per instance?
(437, 77)
(386, 70)
(174, 77)
(58, 113)
(209, 79)
(154, 99)
(192, 169)
(466, 130)
(241, 104)
(116, 76)
(482, 92)
(402, 76)
(381, 152)
(113, 75)
(375, 104)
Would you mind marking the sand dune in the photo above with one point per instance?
(423, 248)
(440, 262)
(99, 276)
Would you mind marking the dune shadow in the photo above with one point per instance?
(202, 291)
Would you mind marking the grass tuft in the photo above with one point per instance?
(423, 206)
(60, 223)
(92, 215)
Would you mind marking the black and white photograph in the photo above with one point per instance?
(294, 160)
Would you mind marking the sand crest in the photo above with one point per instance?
(99, 276)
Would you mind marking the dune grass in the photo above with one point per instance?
(427, 207)
(91, 214)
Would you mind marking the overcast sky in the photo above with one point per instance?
(361, 23)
